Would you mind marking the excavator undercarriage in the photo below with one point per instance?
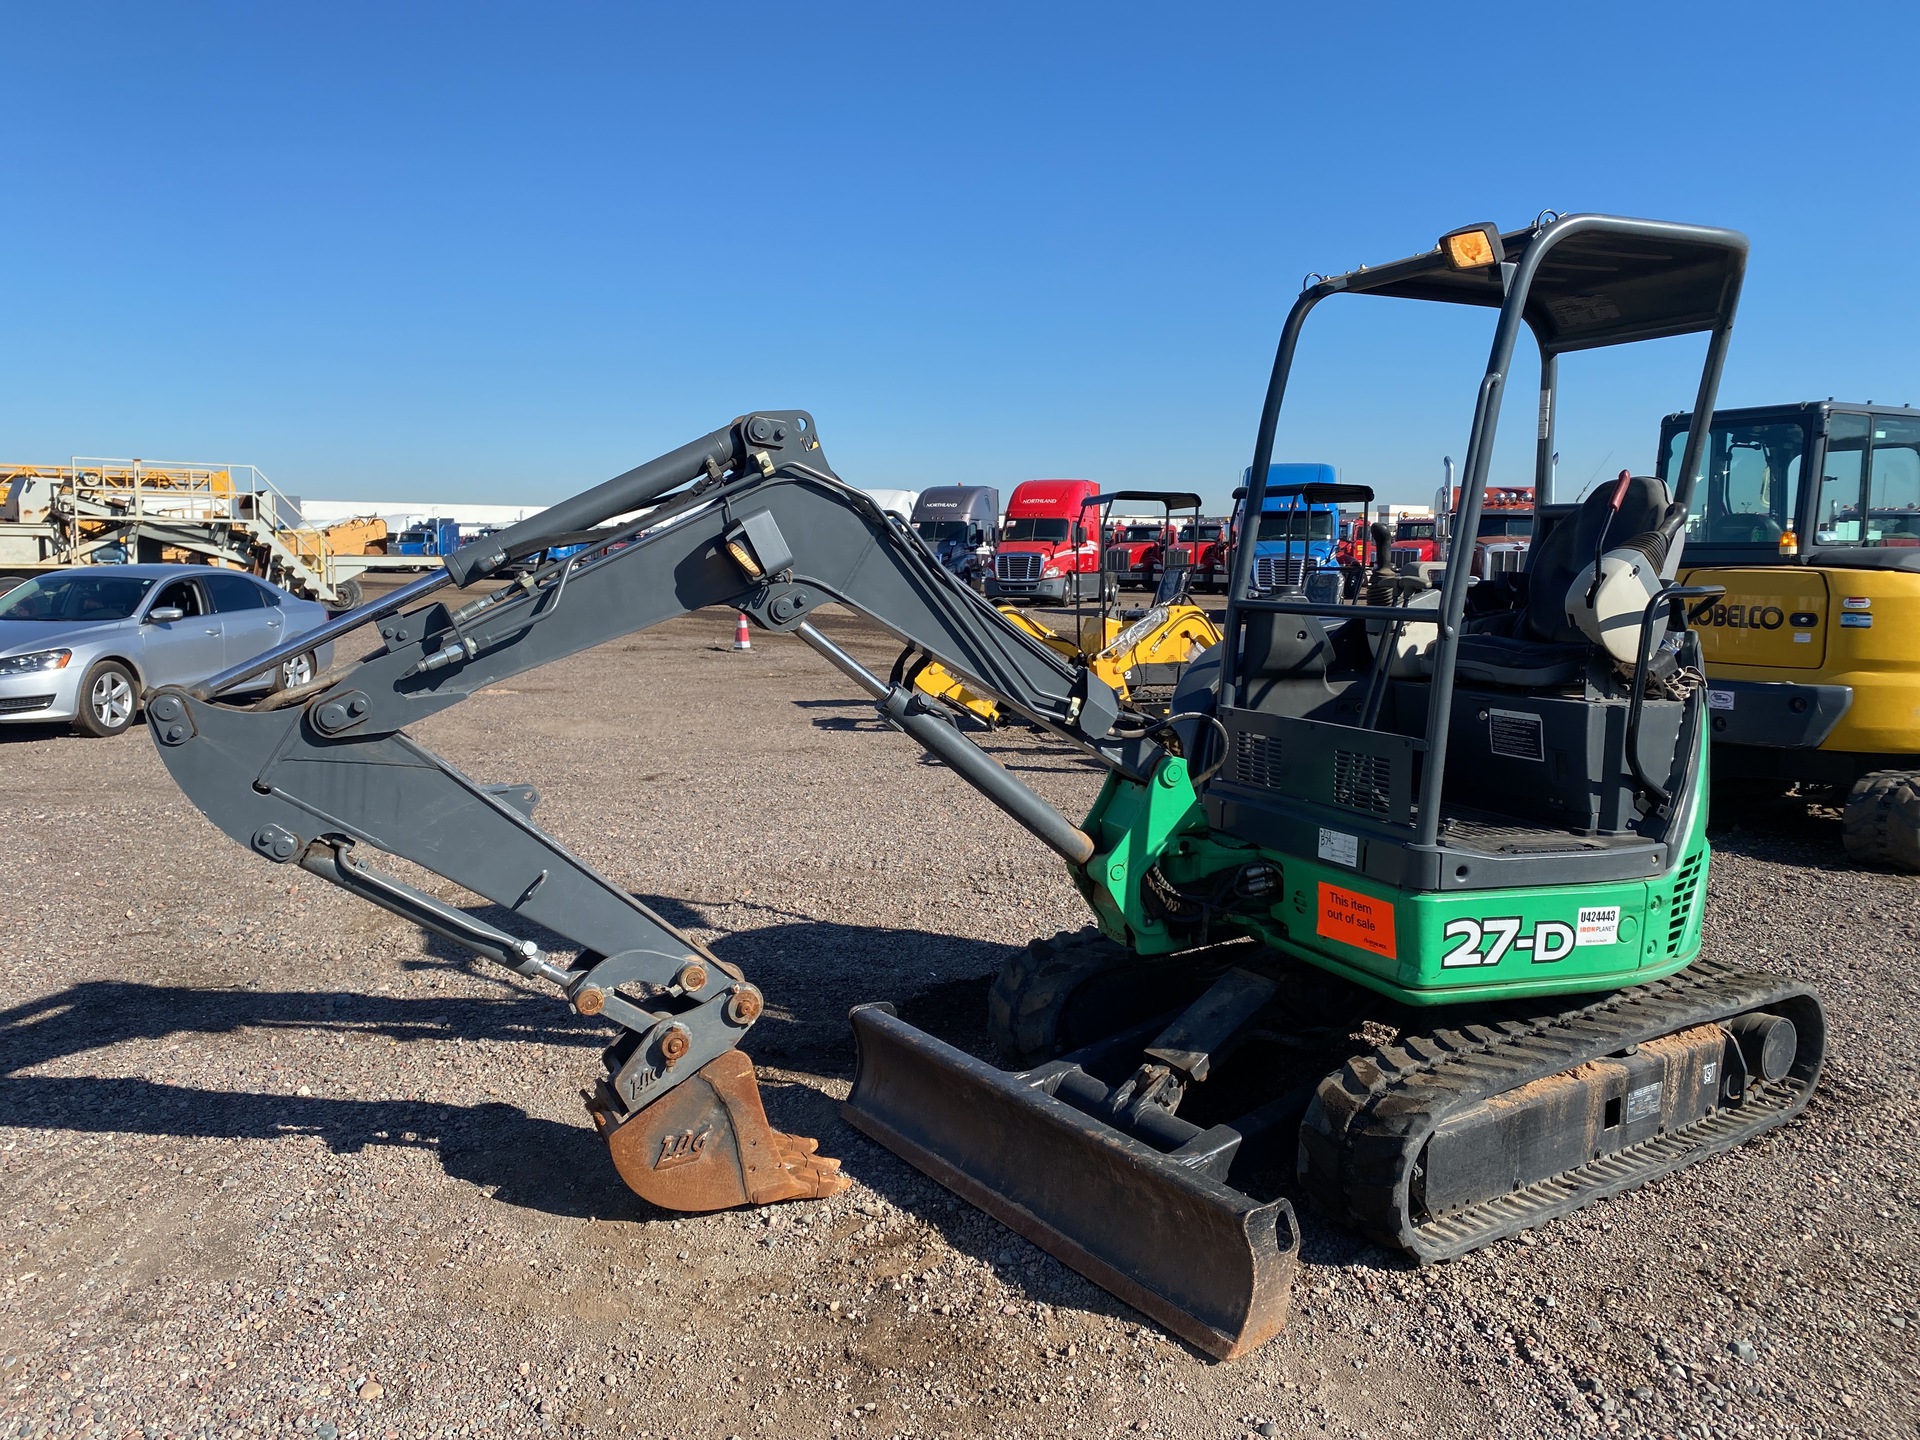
(1397, 904)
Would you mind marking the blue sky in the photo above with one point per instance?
(488, 252)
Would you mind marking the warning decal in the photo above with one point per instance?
(1356, 919)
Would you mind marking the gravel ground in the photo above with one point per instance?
(276, 1162)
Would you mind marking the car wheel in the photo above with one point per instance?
(108, 697)
(292, 674)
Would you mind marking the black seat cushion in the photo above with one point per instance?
(1520, 662)
(1568, 549)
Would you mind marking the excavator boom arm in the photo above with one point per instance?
(739, 520)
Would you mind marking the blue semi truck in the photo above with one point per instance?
(1294, 540)
(437, 537)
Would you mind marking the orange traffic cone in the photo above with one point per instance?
(742, 640)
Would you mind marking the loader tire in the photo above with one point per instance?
(1882, 821)
(1027, 1009)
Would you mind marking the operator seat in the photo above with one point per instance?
(1539, 647)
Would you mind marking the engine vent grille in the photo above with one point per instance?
(1117, 559)
(1017, 567)
(20, 704)
(1256, 760)
(1362, 781)
(1685, 887)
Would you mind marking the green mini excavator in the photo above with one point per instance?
(1398, 907)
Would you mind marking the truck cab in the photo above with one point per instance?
(1416, 541)
(1048, 550)
(1293, 538)
(957, 524)
(1205, 546)
(437, 536)
(1135, 549)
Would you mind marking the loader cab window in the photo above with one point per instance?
(1750, 491)
(1049, 531)
(1893, 482)
(1836, 514)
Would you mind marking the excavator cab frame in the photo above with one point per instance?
(1579, 282)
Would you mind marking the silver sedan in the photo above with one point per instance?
(84, 644)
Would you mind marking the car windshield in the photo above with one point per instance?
(1506, 523)
(933, 531)
(1053, 530)
(1296, 525)
(1413, 530)
(70, 596)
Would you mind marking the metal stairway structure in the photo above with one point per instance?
(92, 510)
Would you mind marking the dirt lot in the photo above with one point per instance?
(273, 1162)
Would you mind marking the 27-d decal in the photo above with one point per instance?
(1549, 941)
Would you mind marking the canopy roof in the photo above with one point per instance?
(1600, 280)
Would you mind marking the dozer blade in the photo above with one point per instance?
(706, 1145)
(1204, 1260)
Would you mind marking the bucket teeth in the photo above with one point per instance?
(706, 1145)
(1211, 1264)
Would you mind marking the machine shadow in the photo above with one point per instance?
(816, 972)
(524, 1159)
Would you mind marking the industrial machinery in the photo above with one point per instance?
(1813, 674)
(92, 511)
(1355, 813)
(1140, 654)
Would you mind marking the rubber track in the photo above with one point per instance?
(1370, 1120)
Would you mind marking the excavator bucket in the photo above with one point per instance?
(1209, 1263)
(706, 1145)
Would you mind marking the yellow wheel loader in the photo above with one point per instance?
(1809, 515)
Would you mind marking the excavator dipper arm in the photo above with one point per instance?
(750, 517)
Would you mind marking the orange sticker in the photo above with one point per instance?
(1356, 919)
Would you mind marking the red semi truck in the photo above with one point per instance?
(1134, 548)
(1207, 547)
(1048, 550)
(1506, 521)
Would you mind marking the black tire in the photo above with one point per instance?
(348, 595)
(1882, 821)
(109, 698)
(292, 674)
(1062, 994)
(1027, 1006)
